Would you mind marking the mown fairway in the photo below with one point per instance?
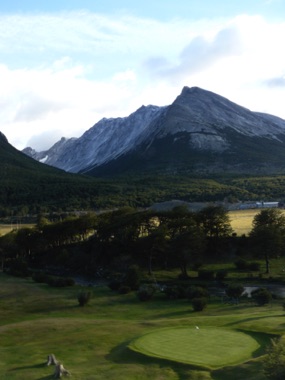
(92, 341)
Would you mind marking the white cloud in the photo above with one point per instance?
(198, 55)
(61, 73)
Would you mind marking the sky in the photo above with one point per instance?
(66, 64)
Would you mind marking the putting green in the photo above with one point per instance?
(205, 346)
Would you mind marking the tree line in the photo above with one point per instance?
(112, 241)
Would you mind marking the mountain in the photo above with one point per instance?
(28, 186)
(200, 132)
(105, 141)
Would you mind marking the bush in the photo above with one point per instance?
(133, 277)
(196, 266)
(146, 292)
(124, 289)
(241, 264)
(18, 268)
(234, 290)
(197, 292)
(254, 267)
(69, 281)
(261, 296)
(84, 297)
(199, 304)
(40, 277)
(221, 275)
(175, 292)
(115, 285)
(274, 361)
(61, 282)
(206, 275)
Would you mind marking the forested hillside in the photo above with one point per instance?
(29, 187)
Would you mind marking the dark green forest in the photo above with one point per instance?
(29, 187)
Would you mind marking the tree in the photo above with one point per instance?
(261, 296)
(268, 234)
(274, 362)
(186, 238)
(234, 291)
(188, 247)
(215, 223)
(155, 246)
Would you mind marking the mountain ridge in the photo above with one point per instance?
(199, 132)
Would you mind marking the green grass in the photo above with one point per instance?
(209, 347)
(93, 341)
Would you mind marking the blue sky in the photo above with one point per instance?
(65, 64)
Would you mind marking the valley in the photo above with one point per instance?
(95, 209)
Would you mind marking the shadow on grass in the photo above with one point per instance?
(263, 339)
(41, 365)
(122, 354)
(249, 371)
(252, 319)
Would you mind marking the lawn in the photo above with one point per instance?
(93, 341)
(208, 347)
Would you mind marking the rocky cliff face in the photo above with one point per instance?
(199, 132)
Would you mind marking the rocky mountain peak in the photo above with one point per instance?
(199, 124)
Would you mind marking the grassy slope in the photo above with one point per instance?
(36, 320)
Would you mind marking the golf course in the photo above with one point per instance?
(116, 336)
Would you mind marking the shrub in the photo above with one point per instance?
(18, 268)
(261, 296)
(133, 277)
(51, 280)
(221, 275)
(255, 267)
(69, 281)
(115, 284)
(234, 290)
(146, 292)
(241, 264)
(196, 266)
(199, 304)
(61, 282)
(197, 292)
(175, 292)
(206, 275)
(274, 361)
(40, 277)
(84, 297)
(124, 289)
